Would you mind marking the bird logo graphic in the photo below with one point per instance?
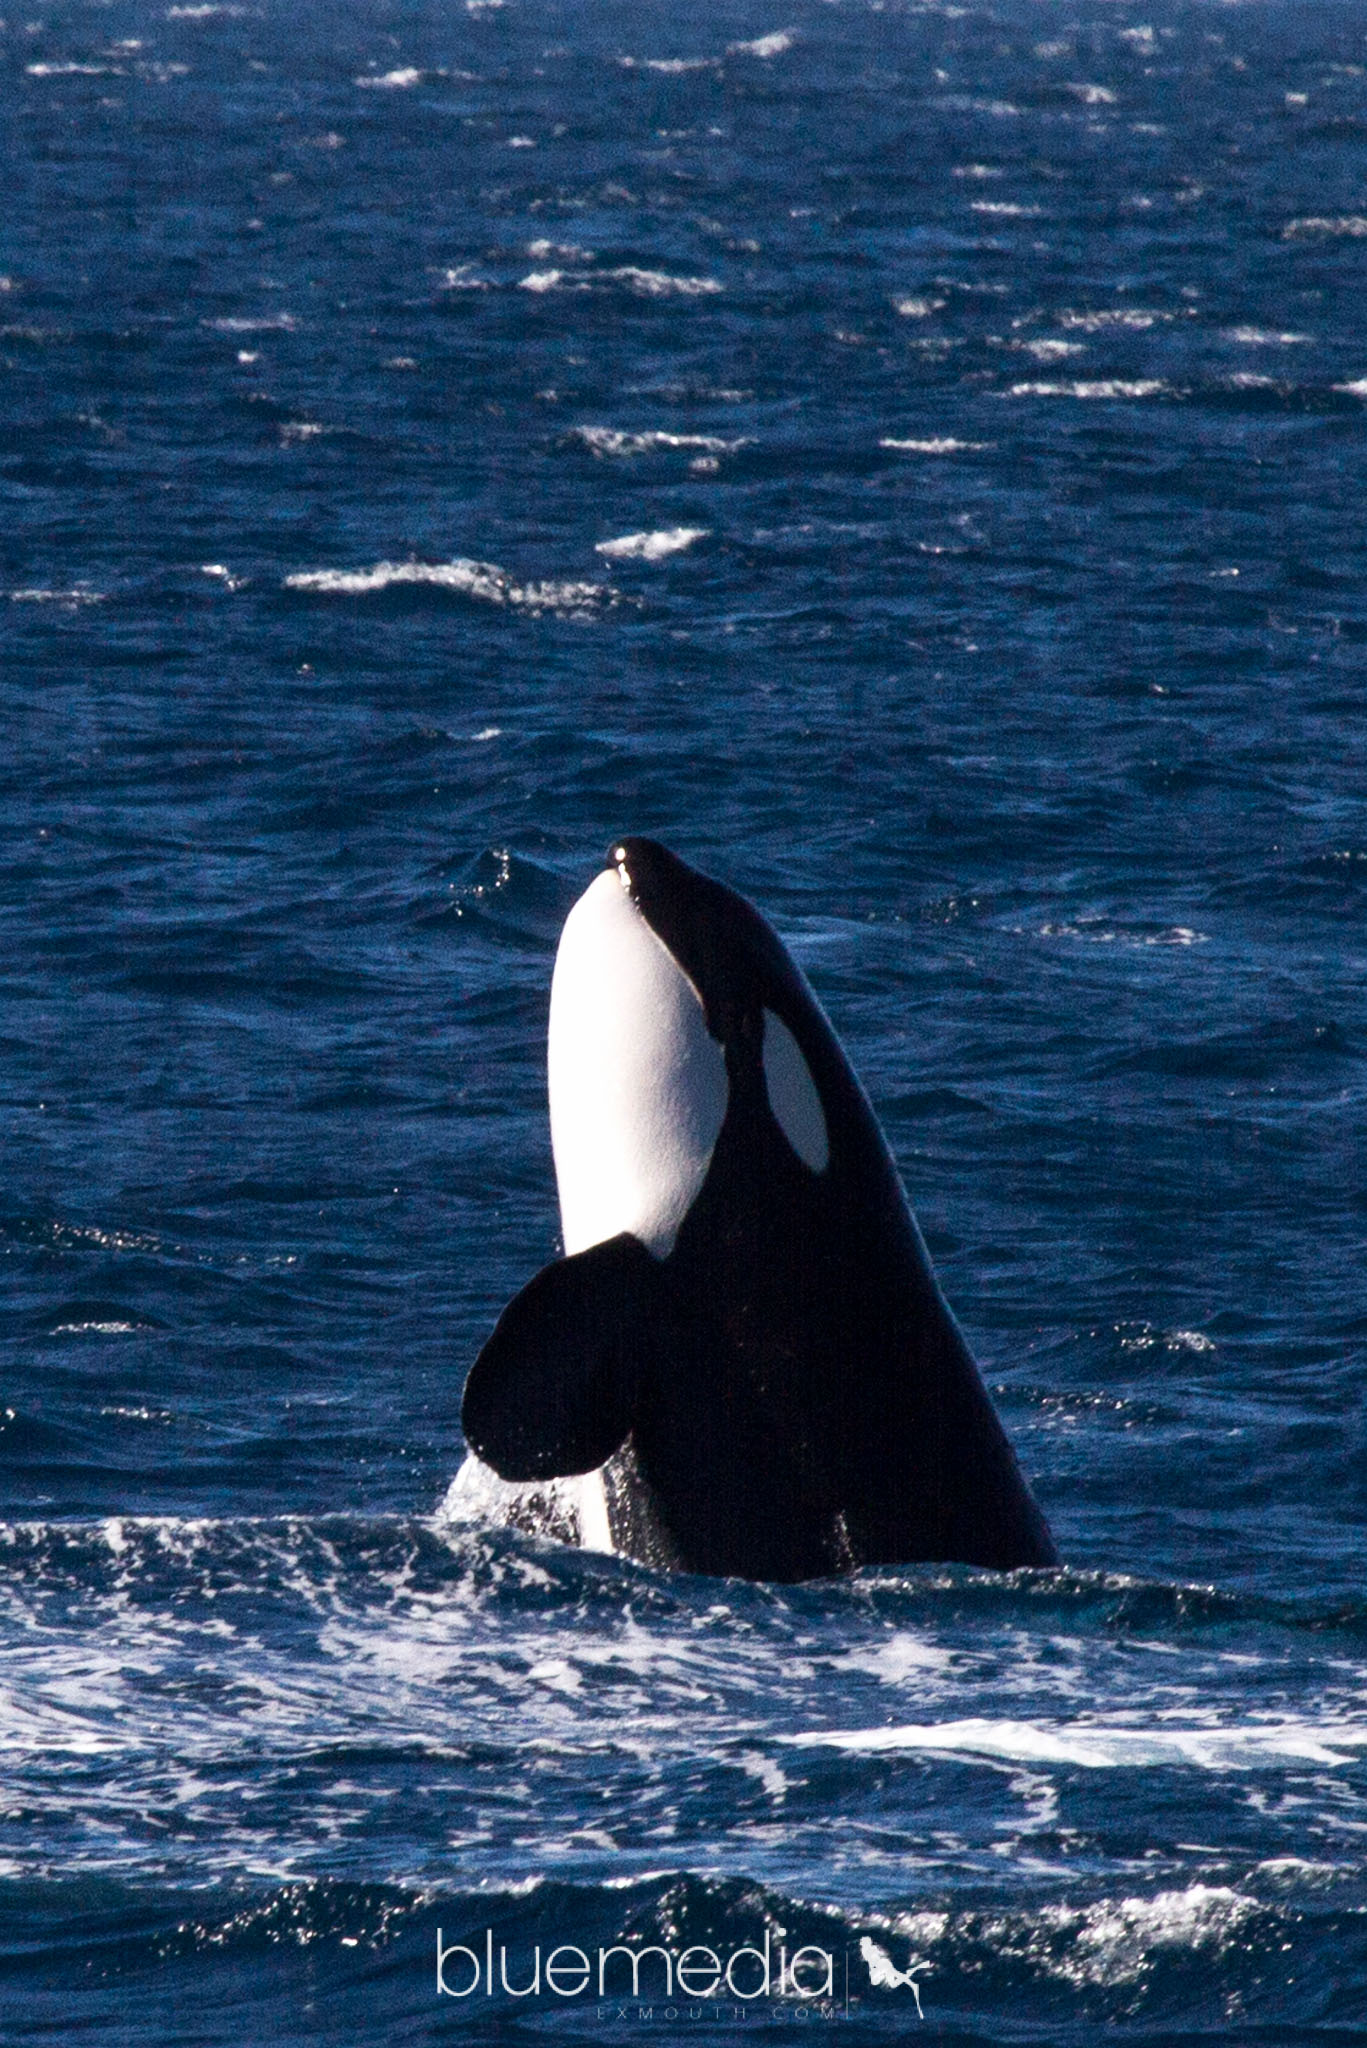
(884, 1974)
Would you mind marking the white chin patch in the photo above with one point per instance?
(793, 1095)
(637, 1082)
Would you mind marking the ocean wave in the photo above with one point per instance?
(646, 284)
(481, 582)
(1327, 227)
(1096, 388)
(1099, 931)
(651, 547)
(1098, 1746)
(670, 67)
(1130, 319)
(1265, 337)
(69, 599)
(398, 80)
(617, 441)
(938, 444)
(264, 323)
(772, 45)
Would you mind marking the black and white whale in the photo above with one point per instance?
(743, 1363)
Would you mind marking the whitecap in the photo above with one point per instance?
(917, 309)
(1110, 1746)
(964, 103)
(772, 45)
(1005, 209)
(1095, 387)
(654, 283)
(94, 1329)
(1264, 337)
(1132, 318)
(615, 441)
(1092, 95)
(272, 323)
(939, 444)
(650, 284)
(484, 582)
(393, 81)
(1049, 350)
(1094, 931)
(669, 66)
(651, 547)
(1113, 1941)
(1353, 225)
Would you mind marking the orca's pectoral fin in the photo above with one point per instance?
(554, 1389)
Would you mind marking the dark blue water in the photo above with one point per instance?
(911, 458)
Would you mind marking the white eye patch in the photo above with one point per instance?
(793, 1096)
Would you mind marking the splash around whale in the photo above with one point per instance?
(743, 1364)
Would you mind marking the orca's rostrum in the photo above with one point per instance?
(743, 1363)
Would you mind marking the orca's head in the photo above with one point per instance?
(670, 993)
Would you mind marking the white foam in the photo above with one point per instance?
(767, 1773)
(650, 547)
(669, 66)
(1094, 388)
(1264, 337)
(938, 444)
(649, 284)
(1146, 1338)
(71, 599)
(273, 323)
(1133, 319)
(393, 81)
(1095, 932)
(1351, 225)
(615, 441)
(1050, 350)
(1006, 209)
(638, 1088)
(483, 581)
(917, 309)
(1099, 1746)
(772, 45)
(1113, 1941)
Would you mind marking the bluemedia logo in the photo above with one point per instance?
(809, 1982)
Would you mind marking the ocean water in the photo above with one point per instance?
(910, 458)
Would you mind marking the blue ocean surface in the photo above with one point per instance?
(911, 458)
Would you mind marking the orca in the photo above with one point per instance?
(743, 1363)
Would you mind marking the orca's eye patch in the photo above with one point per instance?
(793, 1095)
